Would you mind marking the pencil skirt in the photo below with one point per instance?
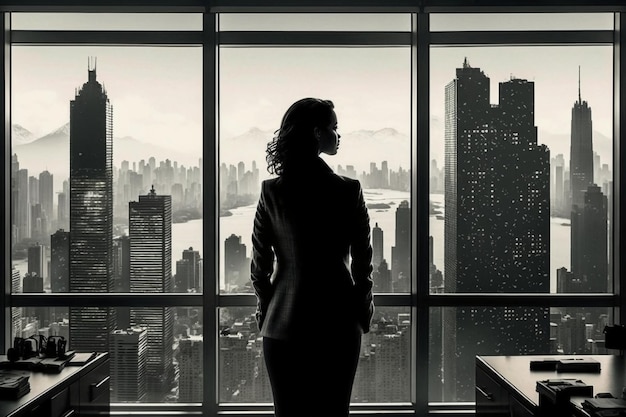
(312, 376)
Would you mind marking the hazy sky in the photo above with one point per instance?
(156, 92)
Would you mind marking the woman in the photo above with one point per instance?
(311, 267)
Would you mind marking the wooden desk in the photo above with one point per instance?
(77, 391)
(505, 385)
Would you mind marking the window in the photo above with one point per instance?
(150, 128)
(521, 188)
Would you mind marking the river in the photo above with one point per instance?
(240, 224)
(189, 234)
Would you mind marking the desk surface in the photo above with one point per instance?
(515, 373)
(41, 383)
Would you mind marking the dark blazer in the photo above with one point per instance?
(311, 254)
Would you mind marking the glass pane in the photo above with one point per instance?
(370, 88)
(155, 352)
(457, 335)
(106, 174)
(520, 21)
(106, 21)
(383, 373)
(521, 175)
(315, 22)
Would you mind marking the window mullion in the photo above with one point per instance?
(210, 215)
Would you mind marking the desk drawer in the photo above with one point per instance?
(491, 398)
(94, 391)
(519, 410)
(62, 404)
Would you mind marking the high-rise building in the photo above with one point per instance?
(150, 233)
(121, 265)
(129, 359)
(377, 245)
(589, 209)
(589, 248)
(191, 371)
(33, 283)
(121, 273)
(497, 223)
(23, 205)
(59, 261)
(581, 150)
(236, 264)
(16, 312)
(46, 194)
(195, 268)
(401, 252)
(91, 212)
(37, 261)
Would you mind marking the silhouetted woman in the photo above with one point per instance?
(311, 267)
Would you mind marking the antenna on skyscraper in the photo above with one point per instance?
(579, 99)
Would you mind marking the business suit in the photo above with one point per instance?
(311, 272)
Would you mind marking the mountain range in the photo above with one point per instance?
(358, 148)
(51, 151)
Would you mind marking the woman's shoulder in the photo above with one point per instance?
(349, 182)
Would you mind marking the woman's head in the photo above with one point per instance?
(307, 129)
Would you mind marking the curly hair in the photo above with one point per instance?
(295, 140)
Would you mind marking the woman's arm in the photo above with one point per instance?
(361, 253)
(262, 264)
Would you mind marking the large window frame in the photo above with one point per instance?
(419, 300)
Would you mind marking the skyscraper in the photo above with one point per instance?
(59, 261)
(121, 272)
(377, 246)
(129, 358)
(497, 223)
(581, 150)
(195, 268)
(37, 260)
(589, 250)
(16, 312)
(236, 264)
(91, 212)
(589, 212)
(150, 233)
(401, 252)
(190, 360)
(22, 209)
(46, 194)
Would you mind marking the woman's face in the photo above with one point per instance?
(327, 137)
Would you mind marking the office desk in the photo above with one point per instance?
(77, 391)
(505, 385)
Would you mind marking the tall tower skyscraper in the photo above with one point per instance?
(150, 232)
(59, 261)
(23, 205)
(236, 264)
(121, 272)
(589, 214)
(190, 360)
(377, 246)
(37, 261)
(401, 252)
(91, 212)
(589, 250)
(46, 194)
(129, 359)
(195, 265)
(581, 149)
(16, 312)
(497, 223)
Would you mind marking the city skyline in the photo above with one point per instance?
(391, 337)
(555, 74)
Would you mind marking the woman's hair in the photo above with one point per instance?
(295, 140)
